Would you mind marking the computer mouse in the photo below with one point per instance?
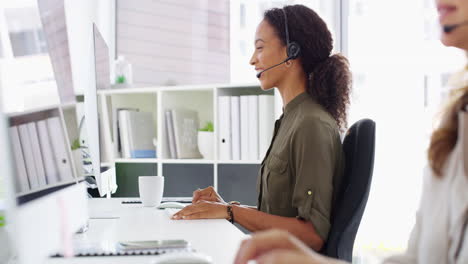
(185, 257)
(175, 205)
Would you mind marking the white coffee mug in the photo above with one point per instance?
(151, 190)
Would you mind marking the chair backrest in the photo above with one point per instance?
(359, 148)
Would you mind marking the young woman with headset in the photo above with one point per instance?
(305, 161)
(440, 234)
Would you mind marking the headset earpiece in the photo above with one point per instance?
(293, 50)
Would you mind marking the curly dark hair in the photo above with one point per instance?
(329, 76)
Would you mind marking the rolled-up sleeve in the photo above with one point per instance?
(313, 159)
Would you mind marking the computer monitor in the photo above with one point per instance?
(49, 202)
(46, 203)
(101, 60)
(105, 176)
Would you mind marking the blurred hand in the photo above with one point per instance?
(207, 194)
(276, 246)
(202, 210)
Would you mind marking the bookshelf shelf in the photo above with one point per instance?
(155, 89)
(187, 161)
(122, 160)
(106, 164)
(239, 162)
(169, 161)
(68, 106)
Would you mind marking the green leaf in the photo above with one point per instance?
(120, 79)
(208, 127)
(75, 144)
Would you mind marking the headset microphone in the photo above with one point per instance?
(260, 73)
(450, 28)
(292, 48)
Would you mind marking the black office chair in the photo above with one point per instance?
(359, 148)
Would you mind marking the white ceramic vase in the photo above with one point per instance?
(205, 144)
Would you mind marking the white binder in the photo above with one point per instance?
(170, 134)
(59, 148)
(50, 164)
(124, 133)
(116, 129)
(224, 124)
(26, 146)
(36, 150)
(22, 180)
(244, 127)
(235, 127)
(253, 127)
(266, 123)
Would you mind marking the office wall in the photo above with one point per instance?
(176, 41)
(79, 16)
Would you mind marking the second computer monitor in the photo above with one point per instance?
(101, 76)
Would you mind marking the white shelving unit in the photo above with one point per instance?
(200, 98)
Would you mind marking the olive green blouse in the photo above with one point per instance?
(303, 165)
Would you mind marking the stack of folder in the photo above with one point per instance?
(40, 154)
(246, 125)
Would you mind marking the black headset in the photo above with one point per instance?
(292, 48)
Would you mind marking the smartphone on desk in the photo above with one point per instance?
(153, 244)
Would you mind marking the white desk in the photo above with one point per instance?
(217, 238)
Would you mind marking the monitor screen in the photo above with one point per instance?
(46, 201)
(105, 179)
(101, 59)
(40, 69)
(36, 71)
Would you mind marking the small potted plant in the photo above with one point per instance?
(206, 140)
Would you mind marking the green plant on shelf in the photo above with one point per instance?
(2, 220)
(208, 127)
(75, 144)
(121, 79)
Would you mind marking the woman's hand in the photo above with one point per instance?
(202, 210)
(207, 194)
(276, 246)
